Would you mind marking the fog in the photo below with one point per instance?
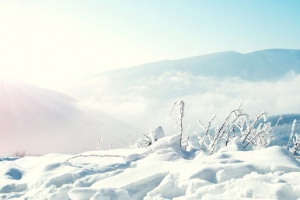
(147, 104)
(42, 121)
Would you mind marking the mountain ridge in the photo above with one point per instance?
(208, 84)
(269, 64)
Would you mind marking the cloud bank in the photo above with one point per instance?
(146, 102)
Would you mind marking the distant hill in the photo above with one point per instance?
(283, 131)
(209, 84)
(268, 64)
(41, 121)
(286, 119)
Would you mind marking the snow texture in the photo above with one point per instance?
(161, 171)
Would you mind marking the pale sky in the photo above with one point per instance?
(53, 43)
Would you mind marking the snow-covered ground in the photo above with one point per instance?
(161, 171)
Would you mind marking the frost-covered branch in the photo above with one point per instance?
(237, 123)
(251, 126)
(207, 135)
(153, 135)
(260, 131)
(91, 155)
(221, 130)
(180, 106)
(99, 142)
(295, 138)
(290, 141)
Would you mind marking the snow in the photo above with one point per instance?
(161, 171)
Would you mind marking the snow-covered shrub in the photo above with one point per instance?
(294, 141)
(295, 148)
(99, 142)
(289, 144)
(20, 154)
(237, 124)
(283, 129)
(179, 105)
(154, 135)
(258, 136)
(149, 138)
(139, 143)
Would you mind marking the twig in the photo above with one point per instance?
(93, 155)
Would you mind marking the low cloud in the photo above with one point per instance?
(148, 104)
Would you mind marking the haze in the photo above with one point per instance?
(53, 44)
(67, 46)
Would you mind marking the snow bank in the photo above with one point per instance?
(162, 171)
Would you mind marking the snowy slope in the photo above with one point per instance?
(41, 121)
(162, 171)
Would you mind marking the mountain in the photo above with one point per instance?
(40, 121)
(260, 65)
(265, 65)
(208, 84)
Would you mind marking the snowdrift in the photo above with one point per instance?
(161, 171)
